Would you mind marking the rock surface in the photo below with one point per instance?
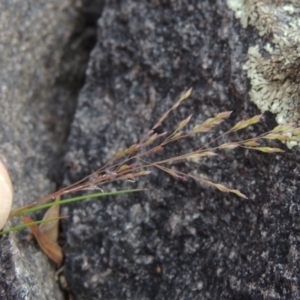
(42, 65)
(178, 240)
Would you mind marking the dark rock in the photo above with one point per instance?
(178, 240)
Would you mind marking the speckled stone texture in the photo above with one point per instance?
(41, 69)
(178, 240)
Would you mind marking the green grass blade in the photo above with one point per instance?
(61, 202)
(27, 225)
(70, 200)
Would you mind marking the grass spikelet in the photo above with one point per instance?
(245, 123)
(280, 137)
(183, 123)
(162, 118)
(133, 148)
(211, 122)
(223, 115)
(238, 193)
(229, 146)
(268, 149)
(251, 143)
(156, 149)
(124, 168)
(151, 139)
(119, 154)
(172, 172)
(296, 131)
(173, 138)
(282, 128)
(165, 115)
(185, 95)
(196, 156)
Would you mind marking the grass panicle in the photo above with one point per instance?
(137, 160)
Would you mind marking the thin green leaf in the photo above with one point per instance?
(80, 198)
(28, 225)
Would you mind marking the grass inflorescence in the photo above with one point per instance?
(137, 160)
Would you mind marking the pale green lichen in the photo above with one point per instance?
(273, 69)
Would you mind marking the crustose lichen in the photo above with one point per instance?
(274, 68)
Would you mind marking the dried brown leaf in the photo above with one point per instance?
(50, 248)
(51, 229)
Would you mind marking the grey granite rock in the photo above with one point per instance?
(42, 65)
(178, 240)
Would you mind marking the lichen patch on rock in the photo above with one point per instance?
(274, 68)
